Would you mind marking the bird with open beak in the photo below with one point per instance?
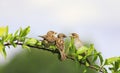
(60, 45)
(77, 42)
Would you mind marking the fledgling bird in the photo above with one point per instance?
(77, 42)
(49, 37)
(60, 45)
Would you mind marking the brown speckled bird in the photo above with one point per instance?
(49, 37)
(60, 45)
(77, 41)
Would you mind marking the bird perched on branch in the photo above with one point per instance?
(77, 41)
(60, 45)
(78, 44)
(49, 37)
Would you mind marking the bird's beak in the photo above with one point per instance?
(71, 36)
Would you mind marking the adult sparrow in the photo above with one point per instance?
(60, 45)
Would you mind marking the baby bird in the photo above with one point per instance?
(49, 37)
(60, 45)
(77, 41)
(78, 44)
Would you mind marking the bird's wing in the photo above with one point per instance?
(60, 44)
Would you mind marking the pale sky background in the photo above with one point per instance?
(97, 21)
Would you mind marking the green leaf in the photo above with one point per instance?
(95, 51)
(14, 45)
(80, 57)
(112, 69)
(39, 43)
(21, 30)
(3, 38)
(26, 47)
(71, 45)
(105, 70)
(67, 45)
(24, 32)
(95, 58)
(90, 50)
(111, 60)
(7, 29)
(85, 70)
(95, 55)
(3, 30)
(31, 41)
(4, 52)
(82, 50)
(101, 58)
(52, 47)
(1, 47)
(71, 48)
(87, 64)
(12, 39)
(15, 34)
(118, 71)
(8, 37)
(96, 66)
(116, 66)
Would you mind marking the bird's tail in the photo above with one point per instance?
(41, 36)
(63, 55)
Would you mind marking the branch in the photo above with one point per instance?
(56, 52)
(37, 47)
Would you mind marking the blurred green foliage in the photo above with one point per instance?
(39, 61)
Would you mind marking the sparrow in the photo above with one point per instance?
(60, 45)
(77, 42)
(49, 37)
